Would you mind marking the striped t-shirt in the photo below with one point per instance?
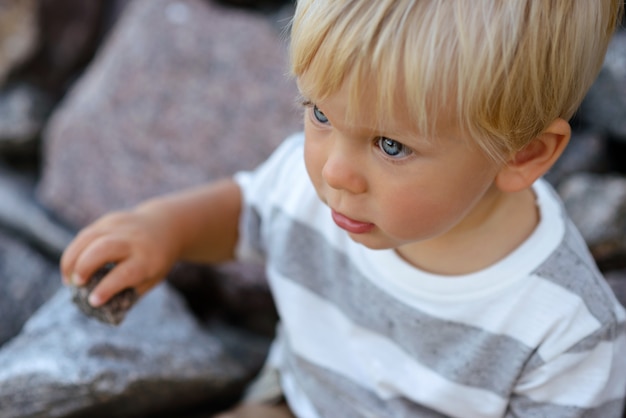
(365, 334)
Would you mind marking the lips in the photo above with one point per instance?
(350, 225)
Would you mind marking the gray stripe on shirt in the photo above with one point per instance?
(521, 406)
(566, 263)
(336, 396)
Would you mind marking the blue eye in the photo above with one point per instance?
(393, 148)
(319, 115)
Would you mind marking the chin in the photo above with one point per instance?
(371, 242)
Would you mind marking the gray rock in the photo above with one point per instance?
(267, 5)
(246, 297)
(112, 312)
(604, 107)
(69, 32)
(27, 280)
(182, 92)
(21, 215)
(23, 112)
(159, 359)
(18, 34)
(234, 291)
(586, 152)
(597, 205)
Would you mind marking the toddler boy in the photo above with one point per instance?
(419, 264)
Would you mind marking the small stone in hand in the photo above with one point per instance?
(112, 312)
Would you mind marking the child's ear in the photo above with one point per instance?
(535, 159)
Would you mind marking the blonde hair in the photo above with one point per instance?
(502, 70)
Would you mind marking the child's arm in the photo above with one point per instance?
(195, 225)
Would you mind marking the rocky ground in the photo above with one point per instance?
(106, 102)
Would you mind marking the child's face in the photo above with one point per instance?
(394, 188)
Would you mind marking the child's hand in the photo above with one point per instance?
(139, 244)
(197, 225)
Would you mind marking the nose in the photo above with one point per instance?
(343, 171)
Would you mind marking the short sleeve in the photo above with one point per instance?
(260, 188)
(587, 380)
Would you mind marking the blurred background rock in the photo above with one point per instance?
(104, 103)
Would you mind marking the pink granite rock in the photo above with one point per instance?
(182, 92)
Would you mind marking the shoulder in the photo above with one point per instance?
(571, 267)
(577, 358)
(585, 310)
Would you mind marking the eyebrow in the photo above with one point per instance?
(304, 100)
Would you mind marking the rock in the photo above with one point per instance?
(246, 298)
(181, 93)
(18, 34)
(256, 4)
(597, 205)
(70, 31)
(27, 280)
(112, 312)
(158, 360)
(604, 107)
(586, 152)
(24, 109)
(21, 215)
(236, 292)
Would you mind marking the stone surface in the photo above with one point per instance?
(182, 92)
(22, 216)
(586, 152)
(257, 4)
(597, 205)
(604, 106)
(69, 33)
(114, 311)
(23, 112)
(159, 359)
(18, 34)
(245, 297)
(236, 292)
(27, 280)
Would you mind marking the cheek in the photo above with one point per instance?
(405, 216)
(409, 217)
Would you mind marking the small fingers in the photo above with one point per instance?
(121, 238)
(99, 252)
(124, 275)
(82, 241)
